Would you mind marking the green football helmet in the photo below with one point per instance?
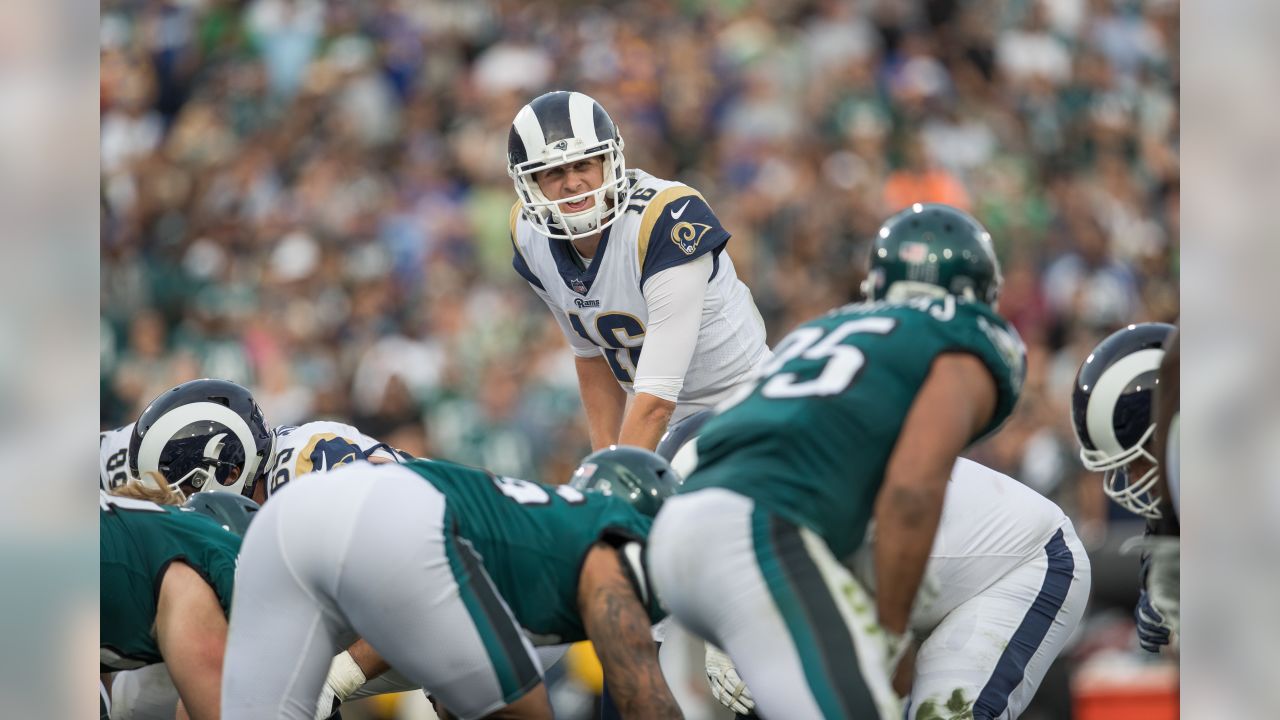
(636, 475)
(232, 511)
(933, 250)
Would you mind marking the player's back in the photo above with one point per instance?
(138, 540)
(113, 457)
(318, 446)
(812, 439)
(532, 537)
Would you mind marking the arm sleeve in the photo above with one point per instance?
(674, 298)
(581, 347)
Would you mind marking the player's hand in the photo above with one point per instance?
(328, 704)
(1153, 632)
(726, 687)
(1157, 612)
(345, 677)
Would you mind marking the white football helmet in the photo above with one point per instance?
(1111, 413)
(558, 128)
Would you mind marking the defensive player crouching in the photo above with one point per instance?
(1002, 555)
(444, 569)
(842, 421)
(165, 589)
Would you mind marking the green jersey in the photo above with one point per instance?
(533, 539)
(812, 438)
(138, 541)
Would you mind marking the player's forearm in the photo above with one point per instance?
(367, 659)
(191, 633)
(603, 400)
(619, 629)
(646, 421)
(909, 504)
(906, 520)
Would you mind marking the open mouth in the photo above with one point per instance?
(578, 204)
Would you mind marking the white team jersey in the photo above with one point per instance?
(602, 310)
(990, 525)
(113, 457)
(316, 447)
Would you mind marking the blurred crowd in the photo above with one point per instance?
(311, 198)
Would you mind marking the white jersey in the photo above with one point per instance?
(990, 525)
(319, 446)
(602, 310)
(113, 457)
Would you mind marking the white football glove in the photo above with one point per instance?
(727, 688)
(345, 677)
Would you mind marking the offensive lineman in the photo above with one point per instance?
(626, 262)
(1121, 435)
(866, 408)
(209, 435)
(444, 569)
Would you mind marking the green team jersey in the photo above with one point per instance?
(138, 541)
(812, 438)
(532, 539)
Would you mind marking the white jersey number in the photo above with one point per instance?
(527, 493)
(842, 361)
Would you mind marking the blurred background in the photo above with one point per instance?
(310, 198)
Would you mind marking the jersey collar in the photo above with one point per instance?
(574, 277)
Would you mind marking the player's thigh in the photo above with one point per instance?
(775, 599)
(421, 597)
(989, 655)
(284, 625)
(143, 694)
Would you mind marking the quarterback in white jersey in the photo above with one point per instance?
(634, 270)
(113, 457)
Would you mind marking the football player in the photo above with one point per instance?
(166, 585)
(210, 435)
(148, 692)
(1116, 427)
(974, 611)
(862, 411)
(1005, 586)
(113, 457)
(626, 262)
(448, 571)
